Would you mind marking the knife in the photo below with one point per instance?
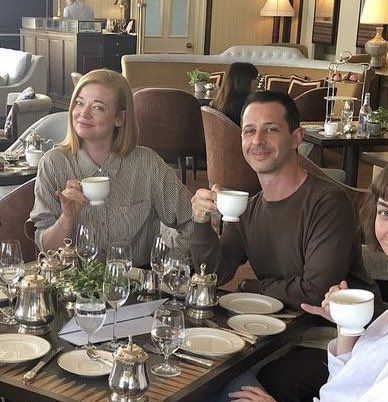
(247, 337)
(30, 375)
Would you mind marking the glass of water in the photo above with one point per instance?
(11, 270)
(168, 334)
(115, 292)
(347, 116)
(120, 252)
(90, 315)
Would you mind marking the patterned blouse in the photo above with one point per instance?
(144, 191)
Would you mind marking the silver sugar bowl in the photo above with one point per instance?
(67, 254)
(129, 379)
(201, 296)
(50, 266)
(34, 310)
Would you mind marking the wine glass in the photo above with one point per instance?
(90, 313)
(11, 270)
(158, 259)
(115, 291)
(177, 275)
(120, 252)
(86, 243)
(168, 334)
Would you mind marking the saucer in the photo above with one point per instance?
(255, 324)
(327, 135)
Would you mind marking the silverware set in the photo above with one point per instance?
(252, 339)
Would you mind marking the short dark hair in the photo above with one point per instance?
(292, 112)
(378, 189)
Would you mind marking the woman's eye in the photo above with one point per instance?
(78, 103)
(383, 213)
(98, 107)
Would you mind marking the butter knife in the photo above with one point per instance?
(247, 337)
(30, 375)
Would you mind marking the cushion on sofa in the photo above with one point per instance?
(9, 131)
(15, 63)
(298, 86)
(279, 83)
(3, 80)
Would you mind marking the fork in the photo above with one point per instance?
(92, 354)
(252, 339)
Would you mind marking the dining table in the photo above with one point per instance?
(351, 145)
(195, 383)
(16, 175)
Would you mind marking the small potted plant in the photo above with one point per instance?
(378, 121)
(198, 79)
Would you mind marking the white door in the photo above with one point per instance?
(175, 26)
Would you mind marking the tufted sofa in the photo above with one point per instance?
(21, 70)
(170, 70)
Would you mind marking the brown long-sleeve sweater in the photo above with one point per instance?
(298, 247)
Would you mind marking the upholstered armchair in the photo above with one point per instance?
(170, 123)
(28, 111)
(312, 104)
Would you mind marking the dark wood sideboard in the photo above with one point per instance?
(68, 52)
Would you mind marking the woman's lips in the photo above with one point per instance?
(85, 124)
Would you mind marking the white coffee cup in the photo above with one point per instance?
(33, 156)
(351, 310)
(232, 204)
(330, 128)
(95, 189)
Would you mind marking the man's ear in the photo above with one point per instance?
(297, 136)
(120, 118)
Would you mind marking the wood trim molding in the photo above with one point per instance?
(208, 26)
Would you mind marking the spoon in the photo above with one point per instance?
(92, 354)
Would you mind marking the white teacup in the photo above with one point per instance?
(33, 156)
(95, 189)
(351, 309)
(232, 204)
(330, 128)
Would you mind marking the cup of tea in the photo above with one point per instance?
(331, 128)
(231, 204)
(95, 189)
(351, 310)
(33, 156)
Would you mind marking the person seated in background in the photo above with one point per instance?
(75, 10)
(358, 365)
(239, 82)
(101, 141)
(300, 233)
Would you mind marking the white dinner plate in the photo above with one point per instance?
(19, 348)
(312, 127)
(78, 362)
(250, 303)
(255, 324)
(211, 342)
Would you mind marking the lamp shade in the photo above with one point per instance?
(277, 8)
(375, 12)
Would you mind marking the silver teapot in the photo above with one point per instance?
(129, 379)
(201, 296)
(34, 310)
(49, 265)
(67, 254)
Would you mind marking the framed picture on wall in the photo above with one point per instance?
(326, 21)
(366, 32)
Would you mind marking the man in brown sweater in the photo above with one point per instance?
(300, 234)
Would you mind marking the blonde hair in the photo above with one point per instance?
(125, 137)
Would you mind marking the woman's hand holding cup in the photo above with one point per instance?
(72, 200)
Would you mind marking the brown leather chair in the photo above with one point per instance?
(312, 104)
(224, 159)
(15, 209)
(170, 123)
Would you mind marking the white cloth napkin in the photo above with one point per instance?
(134, 319)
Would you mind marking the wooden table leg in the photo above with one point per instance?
(351, 157)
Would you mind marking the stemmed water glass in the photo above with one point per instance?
(168, 334)
(86, 243)
(11, 270)
(158, 259)
(115, 292)
(347, 116)
(90, 313)
(120, 252)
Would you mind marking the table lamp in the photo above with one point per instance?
(376, 12)
(277, 8)
(123, 4)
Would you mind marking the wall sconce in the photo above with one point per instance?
(277, 8)
(376, 12)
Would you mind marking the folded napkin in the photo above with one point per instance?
(134, 319)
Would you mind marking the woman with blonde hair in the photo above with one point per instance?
(101, 141)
